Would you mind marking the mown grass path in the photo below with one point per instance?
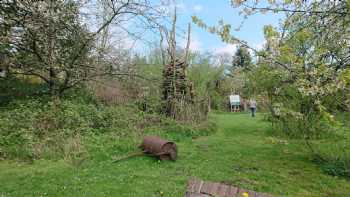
(241, 152)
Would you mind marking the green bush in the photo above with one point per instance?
(334, 158)
(71, 127)
(333, 153)
(13, 88)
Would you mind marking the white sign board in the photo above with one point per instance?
(2, 73)
(234, 99)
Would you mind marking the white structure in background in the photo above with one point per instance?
(235, 103)
(2, 73)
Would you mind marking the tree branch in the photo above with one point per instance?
(294, 11)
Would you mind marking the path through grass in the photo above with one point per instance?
(241, 152)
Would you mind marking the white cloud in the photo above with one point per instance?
(198, 8)
(260, 46)
(195, 44)
(181, 7)
(168, 8)
(227, 48)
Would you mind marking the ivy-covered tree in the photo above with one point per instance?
(241, 58)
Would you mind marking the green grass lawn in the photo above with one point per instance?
(241, 152)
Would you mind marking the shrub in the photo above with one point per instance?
(69, 128)
(333, 154)
(334, 158)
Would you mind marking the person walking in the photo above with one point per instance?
(252, 104)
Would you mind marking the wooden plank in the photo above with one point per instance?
(214, 189)
(190, 184)
(222, 190)
(198, 188)
(206, 188)
(242, 192)
(194, 185)
(263, 195)
(232, 192)
(191, 194)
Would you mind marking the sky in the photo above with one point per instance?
(211, 11)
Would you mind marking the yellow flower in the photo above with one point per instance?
(245, 194)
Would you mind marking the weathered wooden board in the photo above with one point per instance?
(199, 188)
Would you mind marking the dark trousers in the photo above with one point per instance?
(252, 109)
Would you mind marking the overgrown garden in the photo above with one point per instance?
(73, 89)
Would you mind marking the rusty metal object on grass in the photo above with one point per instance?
(154, 145)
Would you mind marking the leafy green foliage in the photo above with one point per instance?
(242, 58)
(206, 79)
(50, 43)
(41, 128)
(13, 88)
(302, 67)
